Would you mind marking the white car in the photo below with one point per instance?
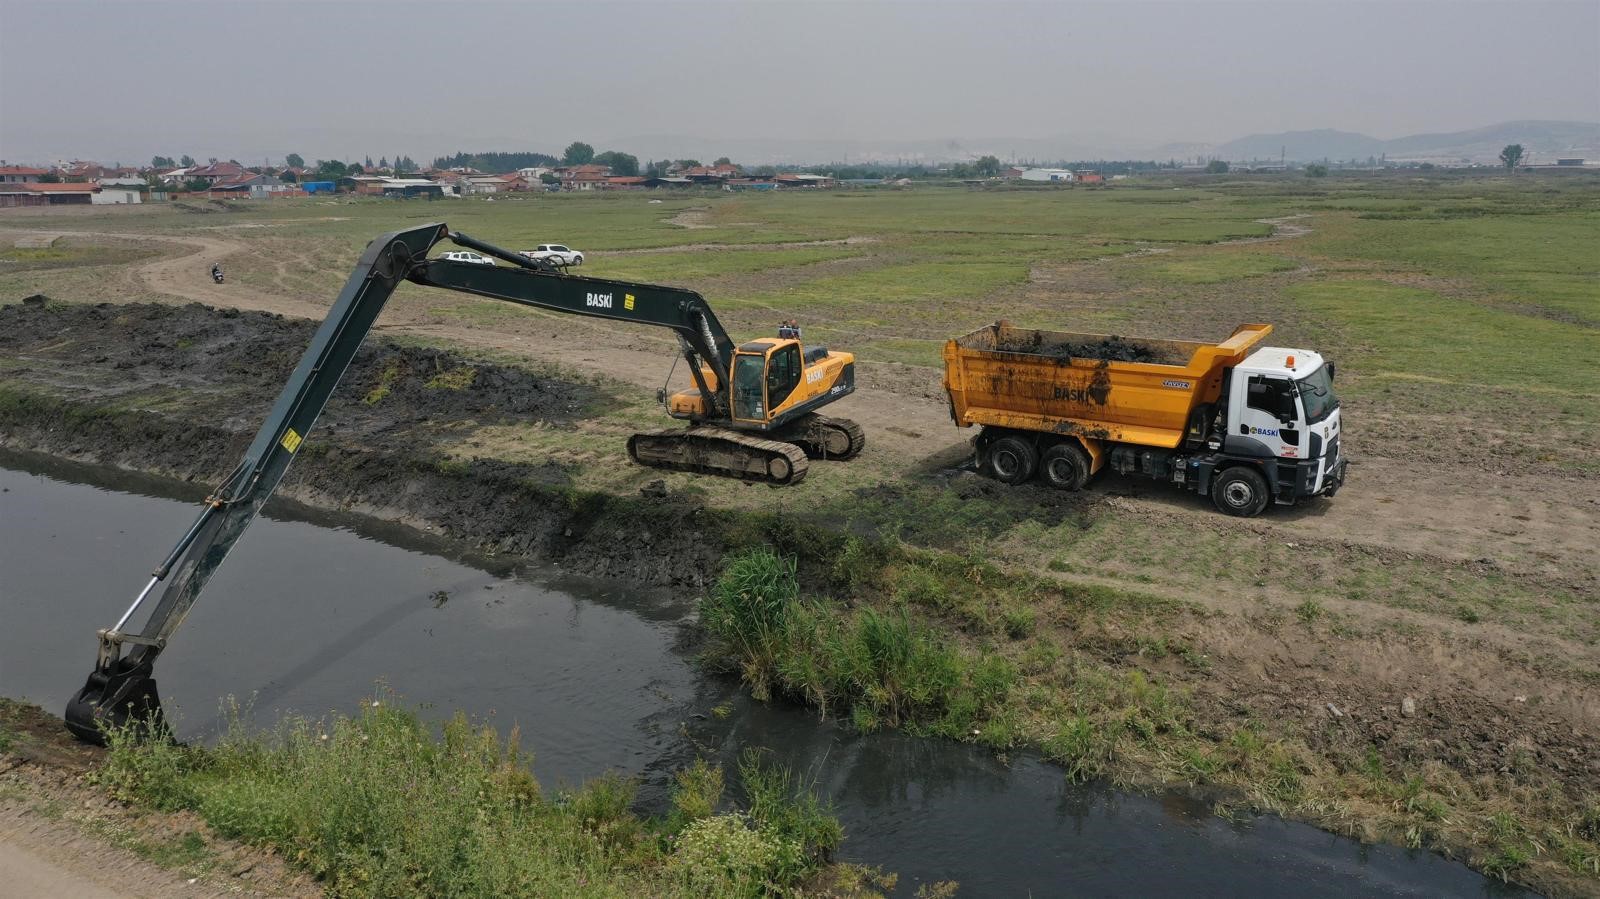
(556, 253)
(467, 256)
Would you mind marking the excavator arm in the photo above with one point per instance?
(700, 335)
(122, 687)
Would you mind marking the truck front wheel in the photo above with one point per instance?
(1011, 460)
(1240, 491)
(1065, 466)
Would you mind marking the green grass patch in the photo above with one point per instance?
(19, 259)
(698, 264)
(1412, 334)
(1214, 268)
(876, 667)
(382, 804)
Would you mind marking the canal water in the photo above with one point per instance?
(314, 610)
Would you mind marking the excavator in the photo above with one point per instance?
(752, 415)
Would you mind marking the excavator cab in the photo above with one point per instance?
(765, 375)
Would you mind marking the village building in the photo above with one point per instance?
(215, 172)
(249, 184)
(1057, 176)
(43, 194)
(480, 185)
(804, 179)
(20, 174)
(118, 194)
(583, 177)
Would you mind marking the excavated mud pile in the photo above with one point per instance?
(239, 361)
(1111, 349)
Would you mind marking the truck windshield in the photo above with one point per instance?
(1316, 392)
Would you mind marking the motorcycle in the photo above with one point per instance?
(216, 275)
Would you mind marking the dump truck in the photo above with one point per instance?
(1247, 425)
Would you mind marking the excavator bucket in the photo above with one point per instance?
(113, 700)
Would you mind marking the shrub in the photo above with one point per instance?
(723, 856)
(697, 796)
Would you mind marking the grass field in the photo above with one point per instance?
(1457, 568)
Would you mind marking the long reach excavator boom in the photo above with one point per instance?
(752, 415)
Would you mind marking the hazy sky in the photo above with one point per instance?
(250, 80)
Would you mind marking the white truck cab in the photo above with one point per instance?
(1281, 409)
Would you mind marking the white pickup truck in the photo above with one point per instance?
(556, 253)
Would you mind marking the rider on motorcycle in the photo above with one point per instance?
(216, 271)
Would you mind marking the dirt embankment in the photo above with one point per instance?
(61, 835)
(180, 391)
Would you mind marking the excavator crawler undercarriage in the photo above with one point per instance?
(711, 450)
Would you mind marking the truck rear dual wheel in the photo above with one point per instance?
(1010, 460)
(1241, 491)
(1065, 466)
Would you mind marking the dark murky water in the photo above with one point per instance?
(313, 609)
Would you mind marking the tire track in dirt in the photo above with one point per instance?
(856, 240)
(1283, 228)
(188, 276)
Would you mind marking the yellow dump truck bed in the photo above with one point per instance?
(1112, 388)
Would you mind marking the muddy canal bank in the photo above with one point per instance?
(179, 392)
(599, 676)
(1267, 709)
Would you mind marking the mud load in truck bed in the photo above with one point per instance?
(1096, 385)
(1112, 349)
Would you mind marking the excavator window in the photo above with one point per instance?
(783, 373)
(748, 402)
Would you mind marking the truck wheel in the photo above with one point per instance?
(1240, 491)
(1065, 466)
(1011, 460)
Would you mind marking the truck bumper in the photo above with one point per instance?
(1334, 478)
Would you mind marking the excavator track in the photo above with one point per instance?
(718, 451)
(826, 438)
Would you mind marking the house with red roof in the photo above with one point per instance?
(583, 177)
(710, 174)
(215, 172)
(21, 174)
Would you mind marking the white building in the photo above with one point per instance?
(531, 174)
(115, 195)
(1062, 176)
(482, 184)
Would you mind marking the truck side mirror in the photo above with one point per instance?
(1331, 371)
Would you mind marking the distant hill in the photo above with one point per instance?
(1298, 146)
(1542, 140)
